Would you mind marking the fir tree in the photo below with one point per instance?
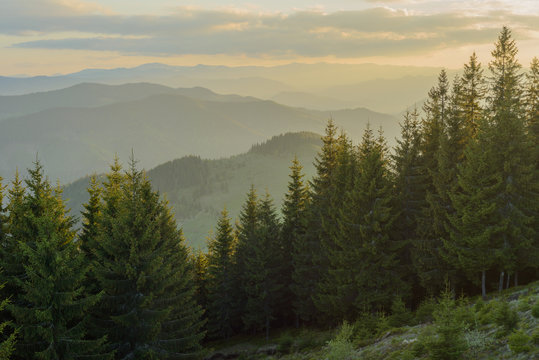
(148, 308)
(293, 231)
(49, 307)
(262, 282)
(199, 262)
(221, 283)
(471, 96)
(426, 257)
(315, 263)
(408, 196)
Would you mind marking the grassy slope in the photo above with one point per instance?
(398, 343)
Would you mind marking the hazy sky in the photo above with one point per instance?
(61, 36)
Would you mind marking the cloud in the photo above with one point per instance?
(379, 31)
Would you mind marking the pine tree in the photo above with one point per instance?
(246, 235)
(492, 222)
(408, 196)
(329, 299)
(221, 283)
(263, 266)
(472, 93)
(199, 262)
(426, 257)
(297, 259)
(49, 306)
(148, 308)
(315, 262)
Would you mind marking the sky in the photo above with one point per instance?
(47, 37)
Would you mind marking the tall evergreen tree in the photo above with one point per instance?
(220, 279)
(471, 96)
(296, 253)
(426, 257)
(408, 196)
(262, 282)
(199, 263)
(329, 298)
(492, 223)
(148, 308)
(246, 235)
(532, 106)
(50, 307)
(315, 262)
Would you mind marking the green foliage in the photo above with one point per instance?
(477, 342)
(519, 342)
(143, 267)
(341, 347)
(425, 310)
(505, 316)
(447, 340)
(535, 336)
(285, 343)
(400, 315)
(7, 346)
(535, 310)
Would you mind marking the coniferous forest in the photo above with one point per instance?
(452, 209)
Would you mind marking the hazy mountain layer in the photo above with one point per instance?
(199, 189)
(75, 141)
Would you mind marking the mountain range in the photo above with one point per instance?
(78, 131)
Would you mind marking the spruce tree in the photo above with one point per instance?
(221, 283)
(492, 222)
(426, 257)
(49, 307)
(148, 308)
(315, 262)
(246, 235)
(407, 195)
(296, 254)
(329, 299)
(264, 265)
(471, 97)
(199, 263)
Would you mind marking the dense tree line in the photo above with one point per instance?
(455, 202)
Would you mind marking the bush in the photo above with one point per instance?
(341, 347)
(424, 312)
(447, 342)
(285, 342)
(519, 342)
(535, 336)
(535, 310)
(400, 315)
(506, 317)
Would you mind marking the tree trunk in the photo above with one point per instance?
(500, 286)
(297, 321)
(267, 328)
(516, 278)
(507, 282)
(483, 285)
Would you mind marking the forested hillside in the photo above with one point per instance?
(448, 214)
(197, 189)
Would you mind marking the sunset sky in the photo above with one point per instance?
(45, 37)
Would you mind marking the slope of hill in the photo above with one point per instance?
(73, 142)
(198, 189)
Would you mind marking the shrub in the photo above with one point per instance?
(341, 347)
(535, 336)
(447, 342)
(285, 342)
(535, 310)
(400, 315)
(519, 342)
(424, 312)
(506, 317)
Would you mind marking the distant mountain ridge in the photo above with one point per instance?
(198, 189)
(158, 123)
